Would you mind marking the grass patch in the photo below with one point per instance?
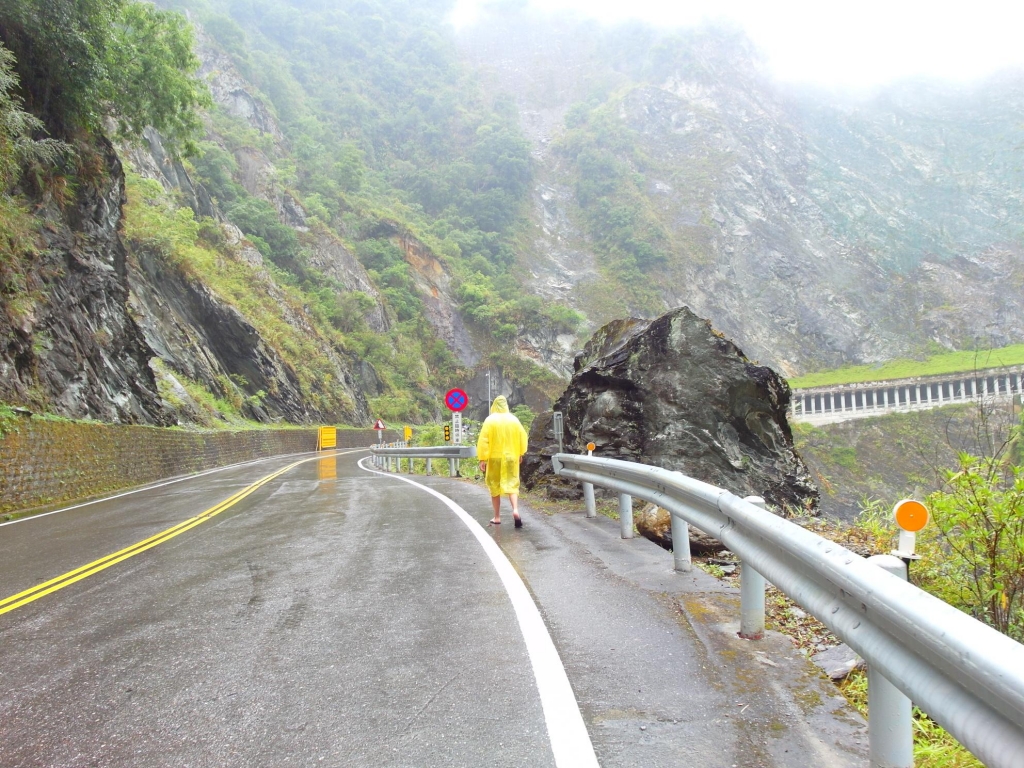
(8, 420)
(936, 365)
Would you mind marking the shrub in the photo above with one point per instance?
(979, 522)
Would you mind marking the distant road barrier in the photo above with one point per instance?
(964, 674)
(383, 456)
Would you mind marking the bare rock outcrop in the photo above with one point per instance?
(675, 393)
(72, 342)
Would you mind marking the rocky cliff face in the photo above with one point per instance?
(115, 329)
(77, 346)
(818, 232)
(193, 332)
(675, 393)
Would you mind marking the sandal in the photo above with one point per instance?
(519, 521)
(495, 522)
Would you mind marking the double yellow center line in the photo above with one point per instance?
(64, 580)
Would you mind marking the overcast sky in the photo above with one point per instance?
(840, 44)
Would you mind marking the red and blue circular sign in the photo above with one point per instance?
(456, 399)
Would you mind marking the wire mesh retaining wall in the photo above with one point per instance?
(44, 463)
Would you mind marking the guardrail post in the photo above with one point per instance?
(626, 515)
(588, 499)
(683, 561)
(451, 467)
(428, 467)
(890, 717)
(751, 594)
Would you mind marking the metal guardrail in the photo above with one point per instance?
(384, 455)
(965, 675)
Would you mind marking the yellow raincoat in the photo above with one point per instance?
(502, 441)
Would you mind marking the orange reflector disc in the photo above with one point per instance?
(591, 446)
(911, 515)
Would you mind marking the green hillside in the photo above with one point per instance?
(936, 365)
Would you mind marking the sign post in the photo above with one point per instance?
(379, 427)
(911, 516)
(588, 490)
(456, 400)
(891, 725)
(559, 426)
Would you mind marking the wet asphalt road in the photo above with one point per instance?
(340, 618)
(321, 621)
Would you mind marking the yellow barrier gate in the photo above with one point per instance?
(327, 437)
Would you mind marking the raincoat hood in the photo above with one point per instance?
(500, 405)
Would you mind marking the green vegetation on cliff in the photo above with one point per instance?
(934, 365)
(300, 320)
(387, 140)
(153, 221)
(83, 62)
(387, 133)
(18, 229)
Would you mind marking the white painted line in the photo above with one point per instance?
(567, 732)
(161, 485)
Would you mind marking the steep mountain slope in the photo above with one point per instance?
(377, 211)
(68, 340)
(308, 268)
(672, 171)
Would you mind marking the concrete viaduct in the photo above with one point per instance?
(841, 402)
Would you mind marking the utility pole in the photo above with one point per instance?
(488, 375)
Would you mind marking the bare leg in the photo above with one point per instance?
(496, 503)
(514, 498)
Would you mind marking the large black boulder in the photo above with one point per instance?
(675, 393)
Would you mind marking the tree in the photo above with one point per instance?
(81, 61)
(17, 145)
(149, 77)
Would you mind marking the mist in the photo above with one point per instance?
(837, 46)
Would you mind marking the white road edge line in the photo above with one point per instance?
(567, 732)
(158, 484)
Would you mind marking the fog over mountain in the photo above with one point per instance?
(816, 230)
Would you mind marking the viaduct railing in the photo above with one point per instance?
(965, 675)
(821, 405)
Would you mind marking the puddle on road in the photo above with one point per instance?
(327, 469)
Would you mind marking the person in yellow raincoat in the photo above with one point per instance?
(500, 449)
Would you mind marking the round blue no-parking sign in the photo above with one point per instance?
(456, 399)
